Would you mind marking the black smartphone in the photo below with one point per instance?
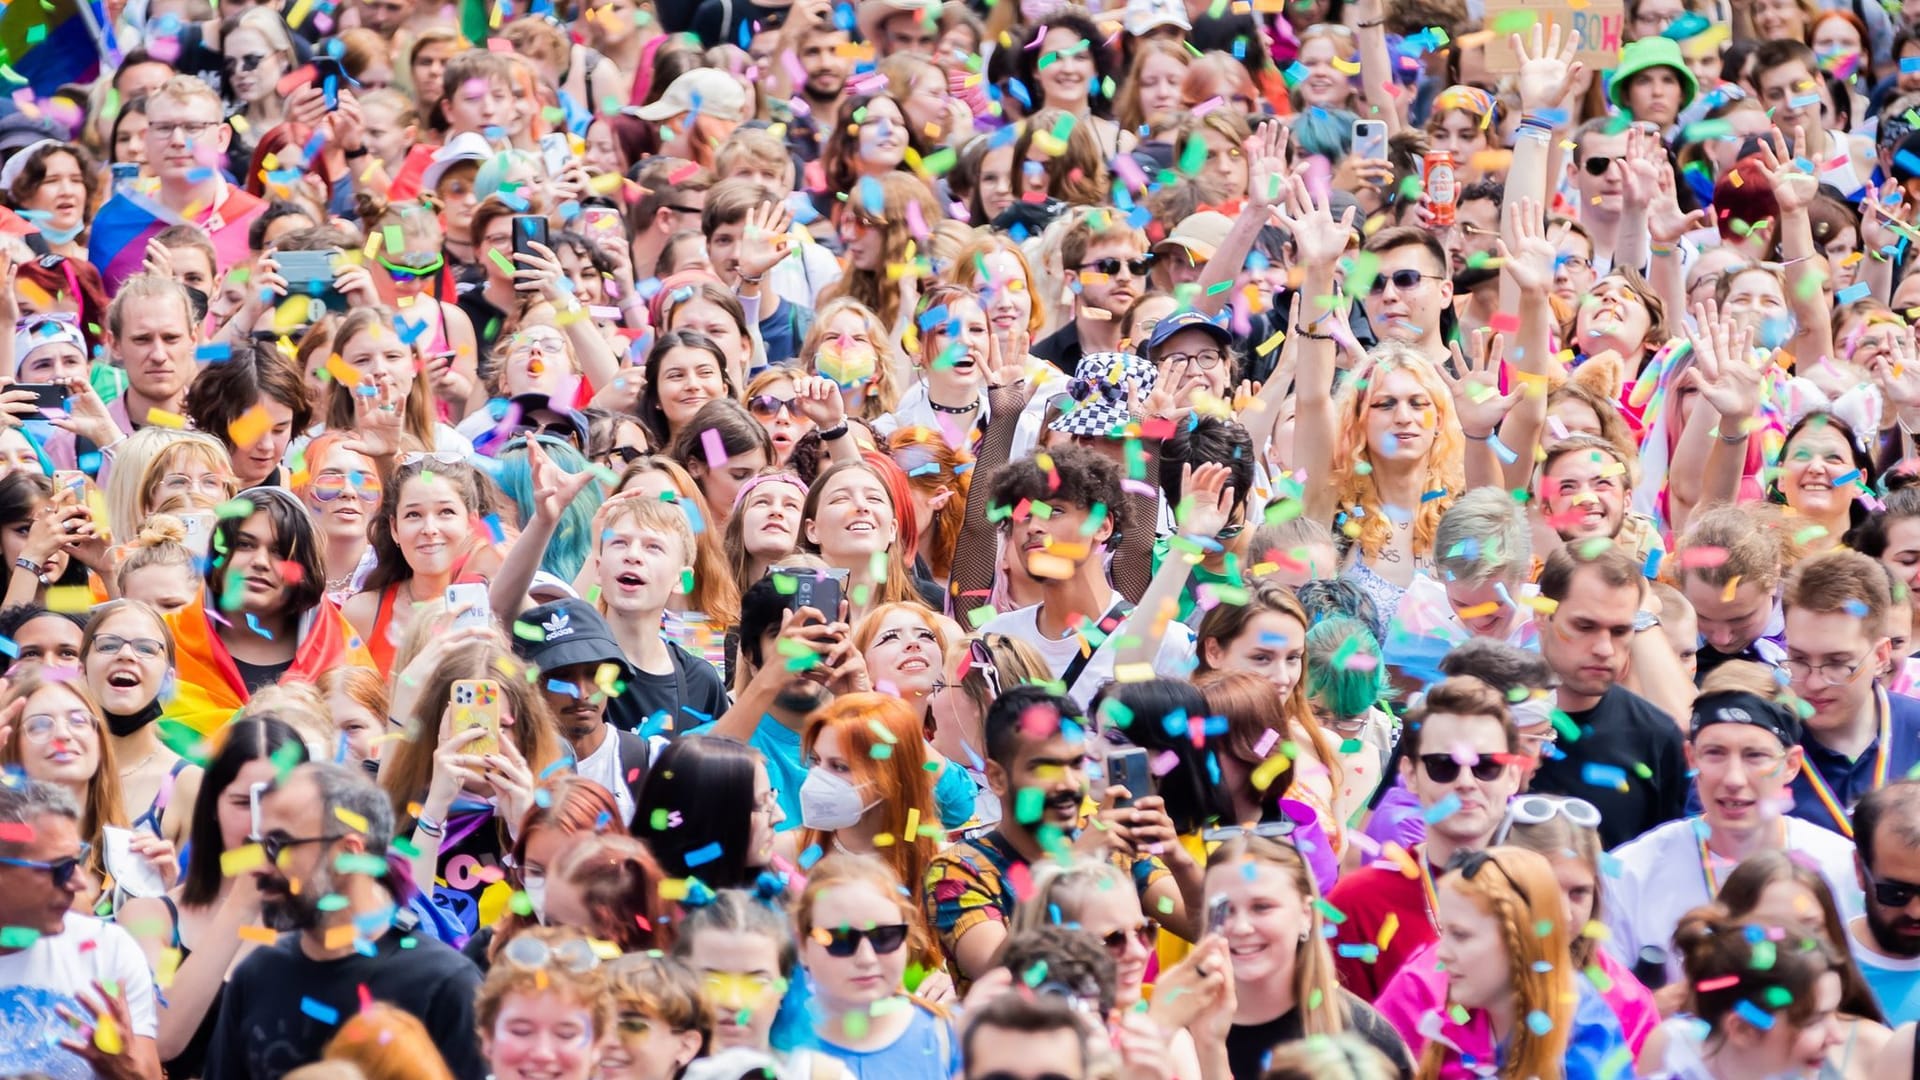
(1127, 767)
(528, 230)
(50, 397)
(330, 77)
(817, 589)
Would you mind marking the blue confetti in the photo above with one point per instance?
(701, 856)
(326, 1014)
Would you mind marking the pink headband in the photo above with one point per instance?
(740, 497)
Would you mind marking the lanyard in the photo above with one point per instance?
(1428, 893)
(1825, 793)
(1706, 857)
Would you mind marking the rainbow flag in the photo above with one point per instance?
(209, 688)
(48, 43)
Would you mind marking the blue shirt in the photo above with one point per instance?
(928, 1048)
(1895, 982)
(1851, 779)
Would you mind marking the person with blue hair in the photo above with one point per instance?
(572, 538)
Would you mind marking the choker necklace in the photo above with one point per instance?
(950, 410)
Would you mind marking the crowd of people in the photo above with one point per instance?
(655, 539)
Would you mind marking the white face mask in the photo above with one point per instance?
(536, 890)
(829, 802)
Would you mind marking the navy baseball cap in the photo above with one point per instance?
(1183, 320)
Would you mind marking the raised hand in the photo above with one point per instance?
(540, 271)
(765, 239)
(1267, 164)
(1898, 375)
(1880, 209)
(554, 488)
(1640, 168)
(1547, 69)
(1526, 255)
(820, 401)
(1206, 499)
(1728, 378)
(1318, 240)
(1666, 222)
(1477, 401)
(1794, 188)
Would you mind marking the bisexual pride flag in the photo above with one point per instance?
(49, 43)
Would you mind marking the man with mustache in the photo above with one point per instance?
(1886, 861)
(320, 868)
(1037, 745)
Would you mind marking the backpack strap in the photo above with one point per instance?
(636, 756)
(1109, 623)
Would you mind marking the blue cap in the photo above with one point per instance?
(1183, 320)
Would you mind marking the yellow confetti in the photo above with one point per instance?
(163, 418)
(251, 426)
(106, 1037)
(350, 819)
(69, 598)
(242, 859)
(259, 935)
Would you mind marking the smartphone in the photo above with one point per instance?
(602, 224)
(1217, 914)
(330, 77)
(74, 480)
(555, 152)
(47, 397)
(310, 273)
(199, 532)
(476, 703)
(472, 597)
(1370, 140)
(817, 589)
(124, 174)
(528, 230)
(254, 791)
(1127, 767)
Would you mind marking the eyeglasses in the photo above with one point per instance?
(192, 129)
(274, 844)
(1205, 359)
(438, 457)
(1146, 932)
(205, 484)
(1885, 893)
(532, 954)
(145, 648)
(245, 63)
(1272, 830)
(329, 486)
(1598, 164)
(845, 941)
(768, 802)
(61, 870)
(768, 406)
(1572, 262)
(410, 273)
(1442, 769)
(1754, 759)
(1404, 280)
(1540, 809)
(1832, 673)
(1110, 266)
(40, 726)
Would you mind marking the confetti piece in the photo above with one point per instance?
(325, 1014)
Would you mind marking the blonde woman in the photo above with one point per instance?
(156, 466)
(850, 345)
(1263, 903)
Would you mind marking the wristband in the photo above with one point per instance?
(354, 155)
(28, 565)
(832, 433)
(1735, 438)
(1536, 122)
(745, 280)
(1475, 438)
(429, 826)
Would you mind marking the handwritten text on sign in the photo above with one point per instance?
(1599, 22)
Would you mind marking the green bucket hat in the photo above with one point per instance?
(1647, 53)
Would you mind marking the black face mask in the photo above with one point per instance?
(123, 726)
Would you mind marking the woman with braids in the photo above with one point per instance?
(1511, 982)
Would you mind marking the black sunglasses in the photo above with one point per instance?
(61, 870)
(1146, 933)
(245, 63)
(1442, 769)
(1404, 280)
(845, 941)
(626, 454)
(1598, 164)
(1886, 893)
(273, 845)
(1110, 266)
(1470, 863)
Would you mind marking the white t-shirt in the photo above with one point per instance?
(1656, 878)
(37, 980)
(1173, 660)
(603, 768)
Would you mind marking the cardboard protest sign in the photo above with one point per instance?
(1599, 22)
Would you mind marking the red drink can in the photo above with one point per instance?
(1443, 190)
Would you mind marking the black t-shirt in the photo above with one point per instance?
(720, 22)
(1061, 349)
(281, 1008)
(692, 696)
(1248, 1045)
(487, 321)
(257, 676)
(1625, 742)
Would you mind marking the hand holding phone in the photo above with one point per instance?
(469, 604)
(528, 230)
(476, 704)
(1127, 767)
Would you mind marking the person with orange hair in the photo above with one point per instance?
(861, 800)
(938, 477)
(609, 886)
(1510, 976)
(386, 1042)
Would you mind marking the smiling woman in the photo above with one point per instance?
(61, 740)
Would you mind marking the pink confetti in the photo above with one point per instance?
(716, 452)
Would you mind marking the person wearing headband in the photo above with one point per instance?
(1857, 734)
(1744, 748)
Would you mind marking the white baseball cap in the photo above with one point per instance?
(707, 91)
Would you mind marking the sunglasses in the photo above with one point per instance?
(1598, 164)
(274, 844)
(1442, 769)
(627, 454)
(1470, 863)
(1404, 280)
(1271, 830)
(1145, 933)
(61, 870)
(246, 63)
(768, 406)
(411, 273)
(532, 954)
(330, 486)
(1110, 266)
(845, 941)
(1885, 893)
